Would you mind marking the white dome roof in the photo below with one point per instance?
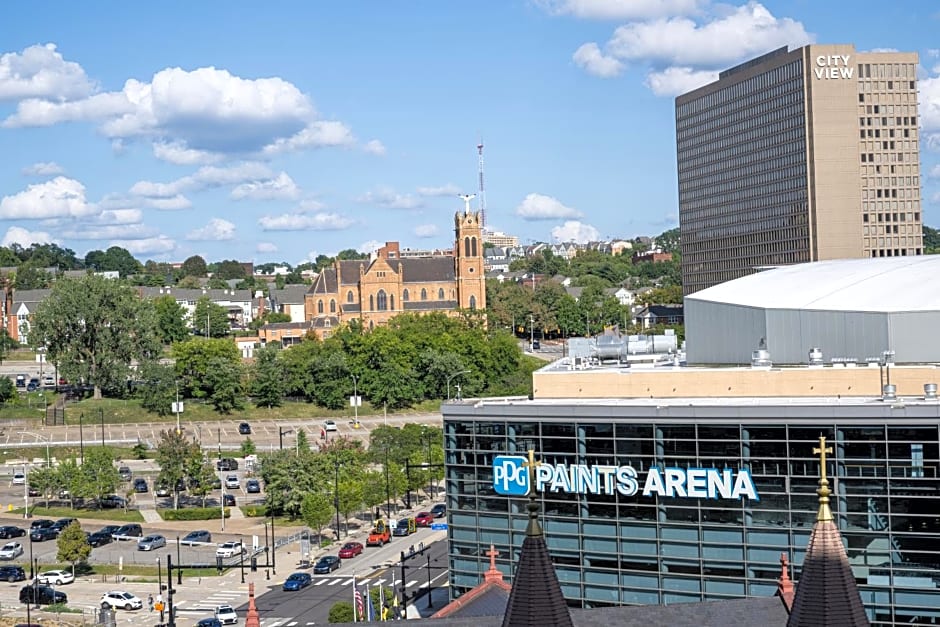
(883, 284)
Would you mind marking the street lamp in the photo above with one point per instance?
(159, 578)
(531, 332)
(273, 547)
(280, 436)
(48, 457)
(336, 495)
(242, 554)
(388, 491)
(456, 374)
(428, 555)
(179, 562)
(355, 399)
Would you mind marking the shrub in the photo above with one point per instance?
(193, 513)
(254, 511)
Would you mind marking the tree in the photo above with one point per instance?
(30, 277)
(175, 457)
(229, 269)
(202, 475)
(194, 266)
(341, 612)
(193, 358)
(248, 447)
(302, 444)
(73, 545)
(223, 381)
(268, 384)
(101, 477)
(94, 328)
(268, 317)
(73, 479)
(316, 511)
(171, 319)
(207, 312)
(45, 480)
(114, 259)
(7, 344)
(931, 241)
(7, 389)
(157, 390)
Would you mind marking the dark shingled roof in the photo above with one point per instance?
(826, 593)
(426, 269)
(427, 305)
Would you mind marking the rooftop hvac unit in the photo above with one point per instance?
(889, 392)
(930, 391)
(815, 357)
(761, 359)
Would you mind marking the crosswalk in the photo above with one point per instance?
(208, 604)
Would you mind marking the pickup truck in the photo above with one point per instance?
(379, 535)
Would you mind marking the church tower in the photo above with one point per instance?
(468, 259)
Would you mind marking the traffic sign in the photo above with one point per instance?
(439, 526)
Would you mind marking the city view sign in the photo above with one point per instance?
(511, 477)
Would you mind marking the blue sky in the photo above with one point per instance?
(279, 131)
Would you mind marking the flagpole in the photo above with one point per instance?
(355, 601)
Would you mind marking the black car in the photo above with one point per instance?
(9, 531)
(226, 463)
(200, 535)
(439, 510)
(228, 500)
(99, 538)
(244, 428)
(125, 473)
(42, 534)
(327, 564)
(32, 491)
(12, 573)
(209, 622)
(111, 501)
(252, 486)
(42, 595)
(140, 485)
(128, 531)
(62, 523)
(42, 522)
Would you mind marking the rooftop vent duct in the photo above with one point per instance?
(930, 391)
(761, 359)
(815, 357)
(889, 392)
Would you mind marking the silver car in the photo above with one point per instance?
(151, 542)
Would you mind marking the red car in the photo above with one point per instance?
(424, 519)
(350, 549)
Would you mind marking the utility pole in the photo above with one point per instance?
(169, 590)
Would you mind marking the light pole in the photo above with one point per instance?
(388, 490)
(178, 408)
(456, 374)
(355, 399)
(428, 555)
(531, 332)
(242, 553)
(336, 495)
(81, 437)
(179, 563)
(280, 436)
(48, 457)
(101, 415)
(159, 578)
(273, 547)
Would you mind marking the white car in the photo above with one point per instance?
(232, 483)
(230, 549)
(226, 615)
(56, 577)
(11, 550)
(120, 599)
(330, 425)
(19, 478)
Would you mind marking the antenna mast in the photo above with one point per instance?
(482, 194)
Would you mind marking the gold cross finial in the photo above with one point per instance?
(531, 465)
(824, 513)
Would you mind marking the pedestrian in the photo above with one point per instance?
(150, 601)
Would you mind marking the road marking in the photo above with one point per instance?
(411, 583)
(320, 582)
(349, 581)
(292, 623)
(377, 582)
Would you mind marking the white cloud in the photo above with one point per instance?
(204, 178)
(425, 230)
(369, 247)
(266, 247)
(678, 80)
(172, 203)
(119, 216)
(929, 97)
(305, 222)
(19, 235)
(590, 58)
(41, 72)
(178, 153)
(60, 197)
(618, 9)
(282, 187)
(43, 168)
(574, 231)
(934, 172)
(374, 147)
(310, 204)
(317, 135)
(216, 230)
(743, 32)
(36, 112)
(151, 245)
(390, 199)
(448, 189)
(540, 207)
(93, 231)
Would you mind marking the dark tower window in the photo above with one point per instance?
(349, 296)
(319, 306)
(424, 294)
(473, 246)
(371, 302)
(391, 301)
(473, 302)
(440, 293)
(382, 300)
(466, 246)
(404, 296)
(332, 306)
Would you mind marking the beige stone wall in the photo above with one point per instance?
(730, 382)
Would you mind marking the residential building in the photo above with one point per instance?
(290, 301)
(799, 155)
(652, 256)
(500, 239)
(375, 290)
(651, 315)
(239, 304)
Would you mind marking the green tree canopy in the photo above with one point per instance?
(94, 328)
(268, 384)
(73, 545)
(207, 312)
(194, 266)
(114, 259)
(171, 319)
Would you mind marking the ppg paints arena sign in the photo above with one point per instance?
(511, 477)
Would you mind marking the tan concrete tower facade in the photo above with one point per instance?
(795, 156)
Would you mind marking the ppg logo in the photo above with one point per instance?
(510, 476)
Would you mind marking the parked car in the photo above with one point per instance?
(439, 510)
(125, 473)
(227, 464)
(112, 501)
(48, 381)
(327, 564)
(252, 486)
(140, 485)
(209, 622)
(42, 595)
(350, 549)
(297, 581)
(41, 534)
(56, 577)
(33, 385)
(232, 482)
(42, 522)
(226, 615)
(228, 500)
(99, 538)
(12, 573)
(128, 531)
(32, 491)
(21, 380)
(120, 599)
(162, 490)
(244, 428)
(151, 542)
(11, 550)
(62, 523)
(424, 519)
(19, 478)
(10, 531)
(230, 549)
(330, 425)
(195, 537)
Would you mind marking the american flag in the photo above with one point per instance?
(360, 608)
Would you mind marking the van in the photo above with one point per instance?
(21, 380)
(128, 531)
